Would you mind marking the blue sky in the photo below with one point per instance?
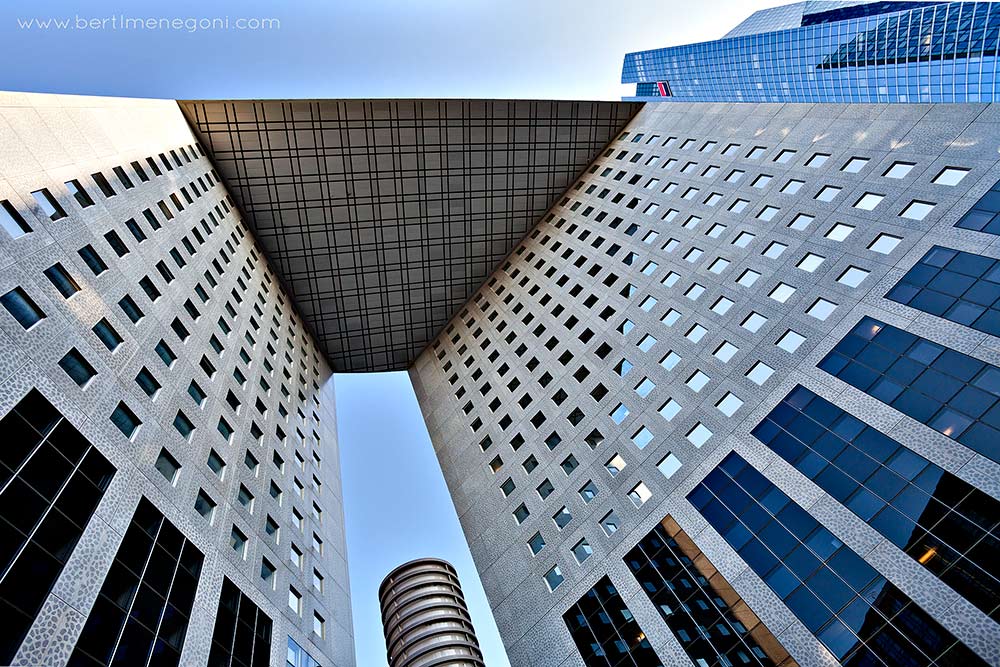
(362, 48)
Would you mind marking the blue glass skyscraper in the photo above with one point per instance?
(834, 52)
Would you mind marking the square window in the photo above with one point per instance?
(521, 513)
(610, 523)
(774, 250)
(126, 420)
(639, 494)
(642, 437)
(729, 404)
(562, 518)
(868, 201)
(839, 232)
(319, 625)
(699, 435)
(670, 409)
(670, 317)
(216, 464)
(719, 265)
(647, 343)
(743, 239)
(238, 542)
(553, 578)
(61, 279)
(696, 333)
(810, 262)
(821, 309)
(782, 292)
(536, 543)
(753, 322)
(167, 466)
(790, 341)
(854, 165)
(619, 414)
(22, 308)
(899, 170)
(884, 244)
(761, 181)
(669, 465)
(917, 210)
(725, 352)
(722, 305)
(950, 176)
(818, 160)
(735, 175)
(748, 278)
(792, 186)
(588, 491)
(645, 387)
(615, 465)
(581, 551)
(204, 505)
(670, 360)
(13, 222)
(697, 381)
(759, 373)
(767, 213)
(294, 601)
(693, 254)
(828, 193)
(801, 221)
(77, 368)
(784, 156)
(852, 276)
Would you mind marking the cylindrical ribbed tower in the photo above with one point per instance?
(425, 619)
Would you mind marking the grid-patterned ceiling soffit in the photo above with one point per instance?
(384, 216)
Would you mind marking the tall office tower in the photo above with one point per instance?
(834, 51)
(170, 490)
(169, 473)
(736, 398)
(425, 619)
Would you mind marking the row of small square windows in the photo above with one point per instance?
(789, 341)
(868, 201)
(15, 224)
(948, 176)
(205, 506)
(67, 285)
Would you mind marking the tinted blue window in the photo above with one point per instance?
(605, 632)
(936, 518)
(828, 586)
(926, 381)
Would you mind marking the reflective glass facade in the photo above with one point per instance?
(953, 393)
(956, 285)
(242, 635)
(51, 480)
(854, 611)
(606, 633)
(708, 618)
(939, 520)
(943, 52)
(142, 613)
(985, 215)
